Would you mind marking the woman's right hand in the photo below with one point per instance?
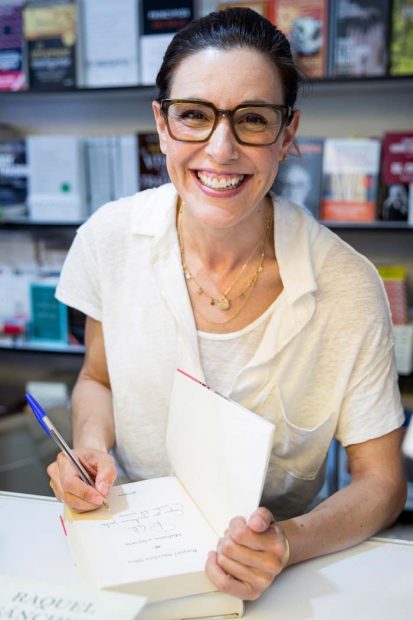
(69, 488)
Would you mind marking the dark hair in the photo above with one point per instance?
(225, 30)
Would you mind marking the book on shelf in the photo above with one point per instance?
(12, 75)
(151, 162)
(161, 19)
(401, 44)
(57, 187)
(108, 43)
(305, 23)
(261, 7)
(29, 598)
(395, 283)
(112, 168)
(13, 179)
(48, 316)
(350, 179)
(359, 36)
(155, 539)
(403, 348)
(299, 178)
(397, 177)
(50, 31)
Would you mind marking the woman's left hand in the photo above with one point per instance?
(249, 556)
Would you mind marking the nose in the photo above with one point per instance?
(222, 145)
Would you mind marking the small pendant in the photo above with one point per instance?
(188, 275)
(260, 268)
(200, 290)
(224, 303)
(212, 302)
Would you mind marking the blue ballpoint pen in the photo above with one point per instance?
(51, 430)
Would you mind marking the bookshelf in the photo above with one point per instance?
(331, 107)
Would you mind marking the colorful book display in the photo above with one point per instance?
(359, 34)
(401, 45)
(12, 75)
(397, 177)
(50, 32)
(161, 19)
(152, 162)
(350, 180)
(305, 22)
(299, 178)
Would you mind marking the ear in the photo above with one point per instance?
(288, 135)
(160, 125)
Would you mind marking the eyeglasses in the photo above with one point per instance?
(254, 125)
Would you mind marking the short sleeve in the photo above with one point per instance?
(79, 284)
(372, 405)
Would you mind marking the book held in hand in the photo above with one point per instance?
(155, 539)
(38, 600)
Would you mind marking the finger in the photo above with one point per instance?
(262, 561)
(71, 485)
(103, 468)
(225, 582)
(79, 504)
(272, 539)
(254, 580)
(260, 520)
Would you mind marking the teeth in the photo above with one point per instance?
(217, 182)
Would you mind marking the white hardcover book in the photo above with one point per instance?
(109, 43)
(153, 47)
(125, 166)
(25, 598)
(99, 171)
(155, 539)
(57, 188)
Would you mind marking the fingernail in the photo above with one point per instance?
(102, 487)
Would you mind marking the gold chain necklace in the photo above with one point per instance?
(224, 302)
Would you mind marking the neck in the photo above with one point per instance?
(224, 250)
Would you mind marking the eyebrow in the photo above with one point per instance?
(246, 102)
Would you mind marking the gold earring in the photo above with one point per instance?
(283, 159)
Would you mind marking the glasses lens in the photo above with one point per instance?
(258, 125)
(190, 121)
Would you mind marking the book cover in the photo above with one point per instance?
(394, 280)
(152, 162)
(397, 177)
(401, 45)
(299, 178)
(359, 35)
(160, 20)
(57, 188)
(109, 43)
(13, 178)
(48, 316)
(26, 598)
(305, 23)
(350, 179)
(50, 33)
(161, 530)
(12, 76)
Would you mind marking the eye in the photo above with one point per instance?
(253, 119)
(194, 115)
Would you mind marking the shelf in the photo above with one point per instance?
(25, 222)
(10, 345)
(373, 226)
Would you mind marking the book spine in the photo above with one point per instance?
(12, 76)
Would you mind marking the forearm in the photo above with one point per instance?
(369, 504)
(92, 415)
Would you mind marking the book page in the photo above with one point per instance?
(152, 530)
(219, 451)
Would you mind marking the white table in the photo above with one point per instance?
(372, 581)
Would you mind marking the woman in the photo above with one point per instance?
(245, 291)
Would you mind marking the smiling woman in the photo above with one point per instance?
(215, 275)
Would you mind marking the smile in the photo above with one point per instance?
(220, 182)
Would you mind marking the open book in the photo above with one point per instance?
(155, 539)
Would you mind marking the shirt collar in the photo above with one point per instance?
(154, 212)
